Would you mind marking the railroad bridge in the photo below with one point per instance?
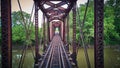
(56, 45)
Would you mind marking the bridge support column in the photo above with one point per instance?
(64, 38)
(6, 34)
(68, 32)
(37, 55)
(44, 34)
(48, 30)
(98, 33)
(74, 55)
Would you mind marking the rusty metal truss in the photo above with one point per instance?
(55, 9)
(6, 34)
(98, 33)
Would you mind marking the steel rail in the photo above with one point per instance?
(69, 64)
(50, 56)
(56, 55)
(45, 56)
(62, 58)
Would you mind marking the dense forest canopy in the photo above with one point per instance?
(24, 33)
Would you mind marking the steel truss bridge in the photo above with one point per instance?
(56, 46)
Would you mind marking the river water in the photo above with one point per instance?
(111, 58)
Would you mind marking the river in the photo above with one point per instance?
(111, 58)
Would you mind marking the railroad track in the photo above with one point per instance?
(55, 56)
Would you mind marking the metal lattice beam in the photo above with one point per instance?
(36, 34)
(74, 55)
(98, 23)
(44, 34)
(64, 41)
(6, 34)
(50, 12)
(74, 28)
(48, 30)
(68, 32)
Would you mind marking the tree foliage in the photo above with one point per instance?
(111, 22)
(22, 31)
(112, 17)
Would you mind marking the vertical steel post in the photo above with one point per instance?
(6, 34)
(44, 38)
(74, 55)
(68, 28)
(64, 31)
(36, 34)
(68, 32)
(48, 30)
(74, 28)
(98, 33)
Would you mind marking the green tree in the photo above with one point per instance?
(22, 31)
(87, 29)
(111, 20)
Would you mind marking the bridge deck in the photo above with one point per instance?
(55, 56)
